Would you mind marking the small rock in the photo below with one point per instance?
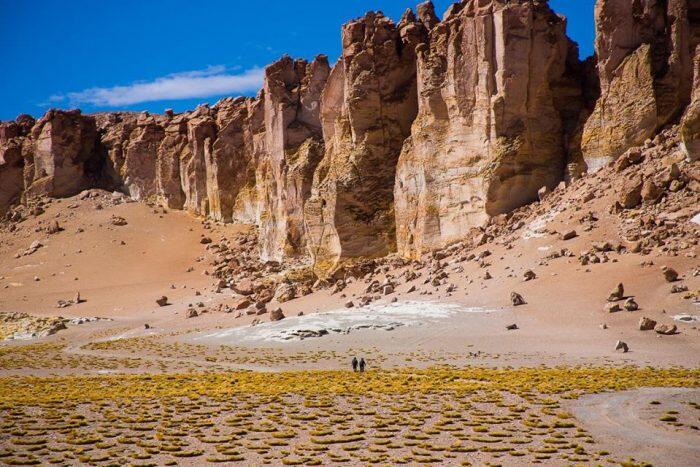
(192, 313)
(118, 221)
(569, 235)
(646, 324)
(618, 293)
(612, 308)
(349, 304)
(512, 327)
(666, 330)
(205, 240)
(631, 305)
(516, 299)
(162, 301)
(622, 346)
(529, 275)
(670, 274)
(276, 315)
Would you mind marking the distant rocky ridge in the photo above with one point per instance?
(423, 130)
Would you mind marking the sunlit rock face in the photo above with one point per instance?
(60, 155)
(367, 109)
(293, 149)
(645, 54)
(498, 96)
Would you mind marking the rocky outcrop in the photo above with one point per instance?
(130, 145)
(367, 109)
(690, 125)
(60, 159)
(497, 97)
(11, 162)
(645, 52)
(293, 149)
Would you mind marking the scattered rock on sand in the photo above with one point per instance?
(646, 324)
(529, 275)
(118, 221)
(192, 313)
(631, 305)
(516, 299)
(670, 274)
(205, 240)
(512, 327)
(349, 304)
(622, 346)
(162, 301)
(617, 294)
(276, 315)
(612, 308)
(569, 235)
(666, 330)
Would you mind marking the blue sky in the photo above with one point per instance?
(153, 54)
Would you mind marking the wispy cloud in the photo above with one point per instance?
(213, 81)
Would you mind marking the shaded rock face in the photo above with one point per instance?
(60, 158)
(293, 149)
(367, 109)
(499, 101)
(12, 135)
(129, 144)
(645, 52)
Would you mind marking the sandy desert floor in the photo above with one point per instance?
(447, 382)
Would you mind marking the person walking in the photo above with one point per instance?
(362, 365)
(354, 364)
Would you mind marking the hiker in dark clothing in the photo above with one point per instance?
(362, 365)
(354, 363)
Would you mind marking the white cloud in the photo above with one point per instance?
(213, 81)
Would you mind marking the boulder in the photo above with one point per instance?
(276, 314)
(646, 324)
(516, 299)
(666, 329)
(618, 293)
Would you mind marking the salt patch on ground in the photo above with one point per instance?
(380, 316)
(687, 318)
(534, 228)
(696, 219)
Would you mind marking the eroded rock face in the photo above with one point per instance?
(61, 160)
(690, 124)
(12, 135)
(367, 109)
(496, 100)
(645, 50)
(293, 149)
(130, 145)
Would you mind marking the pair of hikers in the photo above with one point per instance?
(358, 365)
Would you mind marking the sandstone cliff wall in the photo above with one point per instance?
(367, 109)
(645, 54)
(494, 110)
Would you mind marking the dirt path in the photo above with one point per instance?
(628, 422)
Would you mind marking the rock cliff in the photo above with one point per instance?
(367, 110)
(495, 106)
(645, 54)
(423, 130)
